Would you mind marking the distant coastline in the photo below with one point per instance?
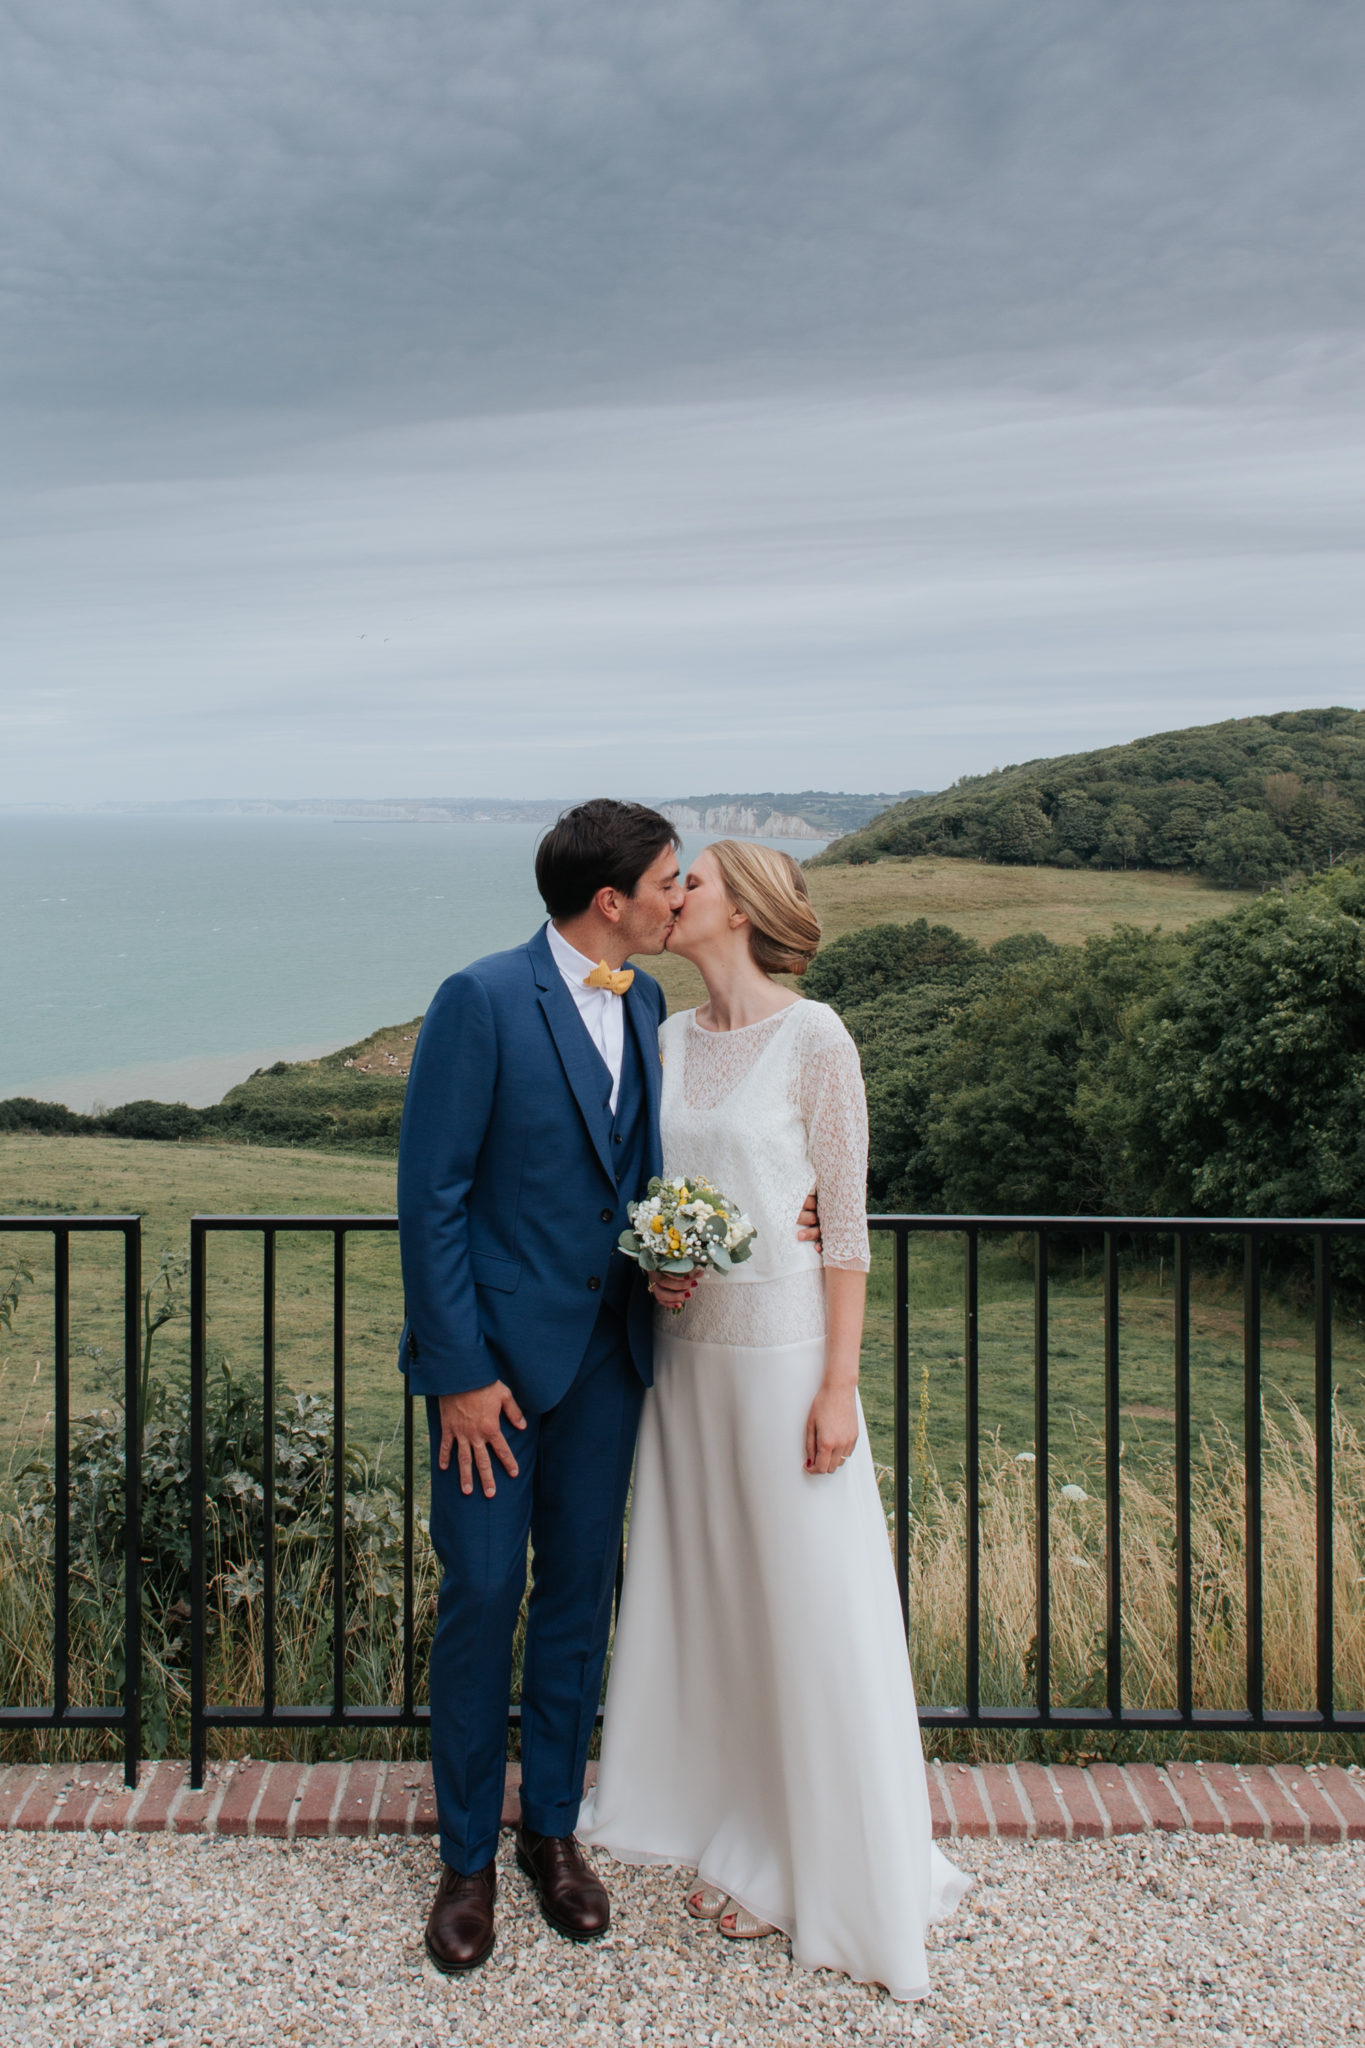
(811, 814)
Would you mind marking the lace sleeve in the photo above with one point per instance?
(834, 1107)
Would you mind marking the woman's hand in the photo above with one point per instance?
(831, 1427)
(671, 1290)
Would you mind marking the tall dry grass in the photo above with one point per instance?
(373, 1646)
(1076, 1538)
(235, 1623)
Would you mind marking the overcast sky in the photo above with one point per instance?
(672, 395)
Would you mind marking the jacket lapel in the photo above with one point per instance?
(579, 1057)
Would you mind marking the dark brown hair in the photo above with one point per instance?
(598, 845)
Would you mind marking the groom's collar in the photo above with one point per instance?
(572, 964)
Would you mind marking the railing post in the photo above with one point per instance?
(198, 1589)
(133, 1424)
(268, 1469)
(1043, 1599)
(338, 1473)
(901, 1456)
(972, 1370)
(61, 1473)
(1323, 1420)
(1184, 1566)
(1113, 1485)
(409, 1511)
(1251, 1409)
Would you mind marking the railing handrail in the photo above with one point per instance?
(1332, 1226)
(1292, 1226)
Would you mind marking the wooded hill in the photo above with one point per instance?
(1242, 803)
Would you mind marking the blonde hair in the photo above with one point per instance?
(769, 887)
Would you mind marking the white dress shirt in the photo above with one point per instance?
(600, 1010)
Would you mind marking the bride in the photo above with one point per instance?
(760, 1720)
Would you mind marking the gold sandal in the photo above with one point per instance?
(707, 1902)
(745, 1926)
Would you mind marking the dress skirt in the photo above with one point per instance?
(760, 1721)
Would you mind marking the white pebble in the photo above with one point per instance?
(169, 1942)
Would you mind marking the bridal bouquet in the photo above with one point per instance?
(685, 1224)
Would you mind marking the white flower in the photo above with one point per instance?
(1024, 1458)
(1074, 1493)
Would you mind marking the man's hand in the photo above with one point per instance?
(473, 1423)
(808, 1222)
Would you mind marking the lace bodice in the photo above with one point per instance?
(767, 1113)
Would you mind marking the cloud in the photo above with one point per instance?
(855, 394)
(851, 591)
(212, 207)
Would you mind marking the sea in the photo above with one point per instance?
(168, 956)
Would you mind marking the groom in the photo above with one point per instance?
(531, 1119)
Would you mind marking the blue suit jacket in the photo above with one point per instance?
(508, 1205)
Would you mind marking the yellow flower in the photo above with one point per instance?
(683, 1195)
(674, 1241)
(656, 1223)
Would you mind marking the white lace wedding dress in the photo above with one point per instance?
(760, 1719)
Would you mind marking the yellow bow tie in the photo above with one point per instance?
(615, 979)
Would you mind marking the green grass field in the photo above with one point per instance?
(169, 1182)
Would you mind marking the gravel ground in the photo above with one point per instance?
(156, 1940)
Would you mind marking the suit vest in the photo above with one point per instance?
(630, 1154)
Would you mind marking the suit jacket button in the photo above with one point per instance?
(617, 1138)
(412, 1345)
(607, 1215)
(594, 1284)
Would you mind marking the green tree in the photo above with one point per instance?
(1078, 823)
(1122, 839)
(1019, 832)
(901, 1039)
(1244, 849)
(883, 957)
(1002, 1120)
(1241, 1090)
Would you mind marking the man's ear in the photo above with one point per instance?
(609, 902)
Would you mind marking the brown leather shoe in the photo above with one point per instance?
(460, 1923)
(572, 1897)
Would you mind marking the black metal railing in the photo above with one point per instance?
(60, 1713)
(272, 1713)
(1040, 1709)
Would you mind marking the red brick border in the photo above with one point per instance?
(1028, 1801)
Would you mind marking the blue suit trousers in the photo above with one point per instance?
(568, 1501)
